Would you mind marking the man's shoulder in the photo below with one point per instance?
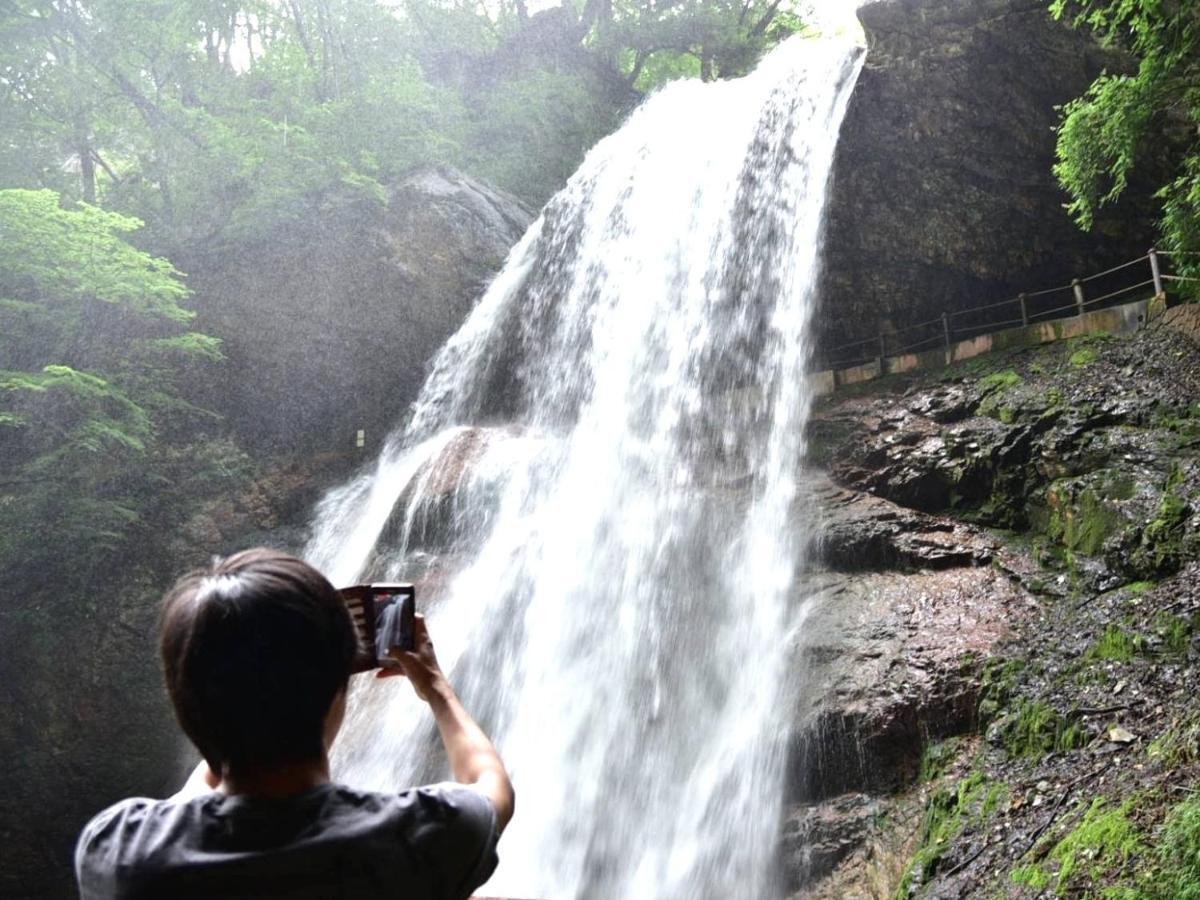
(450, 828)
(441, 806)
(130, 813)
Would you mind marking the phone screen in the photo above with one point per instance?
(393, 609)
(383, 618)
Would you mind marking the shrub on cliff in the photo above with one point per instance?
(1126, 122)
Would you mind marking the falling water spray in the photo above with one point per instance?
(597, 493)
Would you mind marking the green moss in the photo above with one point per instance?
(1032, 876)
(1081, 358)
(1137, 588)
(1177, 746)
(1175, 631)
(1104, 840)
(999, 381)
(1035, 729)
(949, 811)
(1179, 852)
(1116, 645)
(1082, 519)
(1160, 550)
(997, 682)
(1188, 427)
(936, 757)
(992, 389)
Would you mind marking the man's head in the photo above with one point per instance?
(255, 649)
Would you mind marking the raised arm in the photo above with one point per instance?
(473, 760)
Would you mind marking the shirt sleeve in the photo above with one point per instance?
(98, 850)
(464, 848)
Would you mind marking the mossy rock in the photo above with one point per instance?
(1081, 514)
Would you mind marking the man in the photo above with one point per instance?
(257, 653)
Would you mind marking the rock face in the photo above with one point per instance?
(897, 622)
(1009, 608)
(1087, 444)
(329, 326)
(943, 196)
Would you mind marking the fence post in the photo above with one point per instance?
(1158, 285)
(1024, 312)
(946, 330)
(882, 356)
(1078, 294)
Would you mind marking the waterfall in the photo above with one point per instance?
(597, 496)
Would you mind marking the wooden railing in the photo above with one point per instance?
(1023, 310)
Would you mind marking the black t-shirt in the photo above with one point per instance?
(329, 842)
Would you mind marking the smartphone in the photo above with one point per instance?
(383, 618)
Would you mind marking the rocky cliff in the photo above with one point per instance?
(329, 326)
(997, 675)
(943, 195)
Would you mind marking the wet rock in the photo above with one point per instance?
(452, 496)
(887, 662)
(1089, 452)
(860, 532)
(816, 838)
(1046, 445)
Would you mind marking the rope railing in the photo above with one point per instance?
(982, 319)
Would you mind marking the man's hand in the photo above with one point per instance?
(420, 665)
(473, 759)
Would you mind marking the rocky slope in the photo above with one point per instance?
(1000, 659)
(943, 196)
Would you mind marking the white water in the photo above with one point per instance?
(609, 577)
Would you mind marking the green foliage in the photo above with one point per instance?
(1147, 118)
(1081, 358)
(715, 38)
(98, 344)
(559, 112)
(64, 257)
(214, 122)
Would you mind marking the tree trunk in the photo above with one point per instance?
(87, 171)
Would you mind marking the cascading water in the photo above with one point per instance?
(597, 492)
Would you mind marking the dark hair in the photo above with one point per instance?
(254, 649)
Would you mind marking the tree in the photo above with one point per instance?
(215, 121)
(95, 348)
(1128, 122)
